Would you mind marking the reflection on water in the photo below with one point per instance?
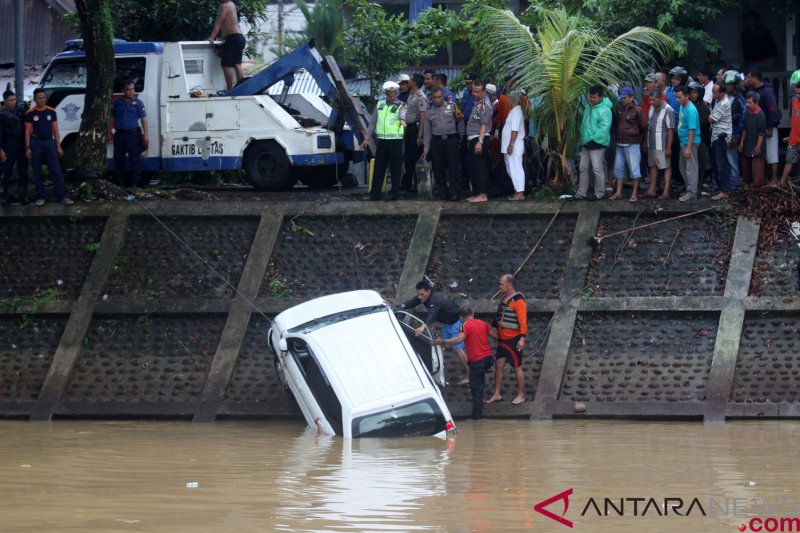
(278, 476)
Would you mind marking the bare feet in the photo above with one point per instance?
(518, 400)
(616, 197)
(664, 196)
(494, 398)
(516, 197)
(634, 199)
(478, 198)
(464, 381)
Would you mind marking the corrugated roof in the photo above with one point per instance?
(44, 32)
(62, 6)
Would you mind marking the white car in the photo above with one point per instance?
(356, 368)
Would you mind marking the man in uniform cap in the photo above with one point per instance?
(388, 122)
(403, 80)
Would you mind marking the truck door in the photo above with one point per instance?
(431, 356)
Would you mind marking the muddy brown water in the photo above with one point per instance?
(141, 476)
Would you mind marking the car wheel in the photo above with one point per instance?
(279, 371)
(267, 166)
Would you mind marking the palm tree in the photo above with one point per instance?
(559, 62)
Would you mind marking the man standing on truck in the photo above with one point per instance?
(129, 138)
(227, 24)
(43, 145)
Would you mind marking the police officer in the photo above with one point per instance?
(43, 145)
(129, 139)
(12, 149)
(416, 107)
(478, 126)
(442, 136)
(387, 123)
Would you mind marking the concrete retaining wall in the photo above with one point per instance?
(104, 314)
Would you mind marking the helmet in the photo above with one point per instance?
(730, 77)
(680, 72)
(795, 79)
(391, 87)
(697, 86)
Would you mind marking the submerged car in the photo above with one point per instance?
(357, 369)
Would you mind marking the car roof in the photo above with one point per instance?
(325, 306)
(369, 357)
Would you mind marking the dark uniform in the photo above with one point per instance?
(481, 115)
(44, 150)
(416, 104)
(127, 139)
(12, 141)
(442, 137)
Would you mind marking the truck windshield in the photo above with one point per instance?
(335, 318)
(418, 419)
(71, 74)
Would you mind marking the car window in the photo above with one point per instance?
(328, 320)
(416, 419)
(318, 383)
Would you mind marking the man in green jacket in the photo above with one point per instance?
(595, 138)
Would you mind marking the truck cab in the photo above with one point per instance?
(202, 127)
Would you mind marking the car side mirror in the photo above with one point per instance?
(283, 345)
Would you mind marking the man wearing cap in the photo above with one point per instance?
(649, 85)
(442, 135)
(415, 120)
(387, 123)
(129, 138)
(402, 81)
(630, 125)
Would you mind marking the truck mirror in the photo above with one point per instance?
(282, 345)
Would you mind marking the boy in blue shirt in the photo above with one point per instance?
(689, 136)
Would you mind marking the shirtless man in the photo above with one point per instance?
(227, 24)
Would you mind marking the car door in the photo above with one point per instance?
(430, 356)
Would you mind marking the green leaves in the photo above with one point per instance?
(556, 65)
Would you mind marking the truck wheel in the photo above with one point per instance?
(323, 176)
(267, 167)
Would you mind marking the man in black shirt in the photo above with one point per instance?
(442, 310)
(12, 149)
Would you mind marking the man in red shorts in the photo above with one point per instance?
(474, 334)
(512, 326)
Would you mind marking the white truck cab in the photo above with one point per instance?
(200, 126)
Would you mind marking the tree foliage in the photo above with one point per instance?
(683, 20)
(177, 20)
(558, 64)
(377, 44)
(96, 27)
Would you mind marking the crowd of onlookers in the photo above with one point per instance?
(675, 135)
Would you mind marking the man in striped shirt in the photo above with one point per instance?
(721, 129)
(660, 131)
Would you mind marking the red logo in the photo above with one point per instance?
(540, 507)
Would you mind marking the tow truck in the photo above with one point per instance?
(201, 127)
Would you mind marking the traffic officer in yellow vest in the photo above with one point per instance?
(387, 123)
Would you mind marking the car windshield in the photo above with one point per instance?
(417, 419)
(335, 318)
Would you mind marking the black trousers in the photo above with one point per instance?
(479, 166)
(477, 381)
(445, 155)
(411, 155)
(127, 145)
(388, 154)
